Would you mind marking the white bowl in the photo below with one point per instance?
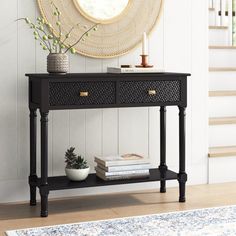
(77, 174)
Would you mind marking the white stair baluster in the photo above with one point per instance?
(222, 9)
(233, 21)
(217, 9)
(210, 3)
(230, 21)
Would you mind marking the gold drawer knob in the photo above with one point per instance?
(152, 92)
(83, 94)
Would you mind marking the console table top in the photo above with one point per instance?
(105, 75)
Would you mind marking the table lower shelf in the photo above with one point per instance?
(62, 182)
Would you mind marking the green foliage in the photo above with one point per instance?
(73, 161)
(43, 32)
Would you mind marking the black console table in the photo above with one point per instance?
(103, 90)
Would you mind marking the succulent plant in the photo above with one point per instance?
(73, 161)
(52, 42)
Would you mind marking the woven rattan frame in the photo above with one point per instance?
(112, 39)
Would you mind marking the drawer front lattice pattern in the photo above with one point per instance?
(68, 93)
(137, 91)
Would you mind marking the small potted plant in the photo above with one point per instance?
(77, 168)
(56, 45)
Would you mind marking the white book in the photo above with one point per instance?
(128, 159)
(124, 168)
(118, 173)
(118, 70)
(120, 177)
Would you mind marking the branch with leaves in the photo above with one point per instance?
(52, 42)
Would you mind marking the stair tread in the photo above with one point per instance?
(218, 27)
(220, 93)
(222, 47)
(222, 120)
(222, 151)
(222, 69)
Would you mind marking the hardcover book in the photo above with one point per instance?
(119, 173)
(128, 159)
(118, 70)
(120, 177)
(124, 167)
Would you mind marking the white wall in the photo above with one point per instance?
(178, 43)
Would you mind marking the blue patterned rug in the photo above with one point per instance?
(219, 221)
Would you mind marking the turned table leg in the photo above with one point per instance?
(182, 176)
(163, 166)
(33, 172)
(44, 191)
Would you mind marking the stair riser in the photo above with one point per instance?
(215, 19)
(222, 169)
(222, 135)
(222, 106)
(218, 37)
(222, 80)
(212, 18)
(222, 58)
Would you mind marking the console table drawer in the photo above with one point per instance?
(150, 91)
(81, 93)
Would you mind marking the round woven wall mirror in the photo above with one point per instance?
(102, 11)
(121, 23)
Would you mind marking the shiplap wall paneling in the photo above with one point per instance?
(93, 140)
(110, 119)
(25, 63)
(8, 90)
(77, 132)
(199, 88)
(77, 121)
(199, 93)
(156, 58)
(40, 67)
(110, 132)
(156, 44)
(60, 141)
(93, 135)
(177, 57)
(172, 137)
(133, 122)
(133, 131)
(177, 35)
(154, 136)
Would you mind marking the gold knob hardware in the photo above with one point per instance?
(83, 94)
(152, 92)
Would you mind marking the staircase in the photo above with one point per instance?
(222, 91)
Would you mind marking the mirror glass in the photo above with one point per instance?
(102, 10)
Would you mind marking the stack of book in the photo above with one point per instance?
(129, 166)
(120, 70)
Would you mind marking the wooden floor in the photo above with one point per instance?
(21, 215)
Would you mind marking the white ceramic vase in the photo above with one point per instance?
(77, 174)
